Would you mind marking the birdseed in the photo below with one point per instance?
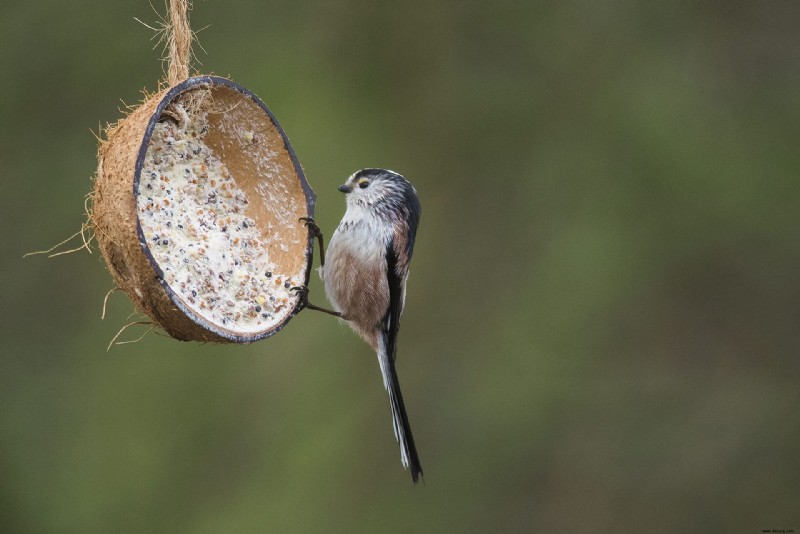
(194, 218)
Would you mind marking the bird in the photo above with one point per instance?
(366, 273)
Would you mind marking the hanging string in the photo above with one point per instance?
(180, 41)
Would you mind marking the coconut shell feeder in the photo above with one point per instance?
(197, 205)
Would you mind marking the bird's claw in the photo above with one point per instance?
(311, 224)
(302, 294)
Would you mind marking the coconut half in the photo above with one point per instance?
(196, 208)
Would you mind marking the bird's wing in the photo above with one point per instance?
(395, 281)
(398, 256)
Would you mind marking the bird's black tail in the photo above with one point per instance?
(402, 429)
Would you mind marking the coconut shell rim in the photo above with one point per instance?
(189, 84)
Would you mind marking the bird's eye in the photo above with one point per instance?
(363, 184)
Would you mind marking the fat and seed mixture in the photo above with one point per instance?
(193, 217)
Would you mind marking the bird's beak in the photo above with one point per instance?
(344, 188)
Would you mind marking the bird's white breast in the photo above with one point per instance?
(355, 268)
(362, 234)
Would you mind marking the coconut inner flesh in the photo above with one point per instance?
(201, 229)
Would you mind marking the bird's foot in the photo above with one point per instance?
(309, 223)
(316, 233)
(302, 293)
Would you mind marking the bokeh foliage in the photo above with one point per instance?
(602, 323)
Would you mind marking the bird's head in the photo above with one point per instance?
(368, 187)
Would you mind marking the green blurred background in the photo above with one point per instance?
(602, 324)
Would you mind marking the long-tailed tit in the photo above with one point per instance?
(366, 272)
